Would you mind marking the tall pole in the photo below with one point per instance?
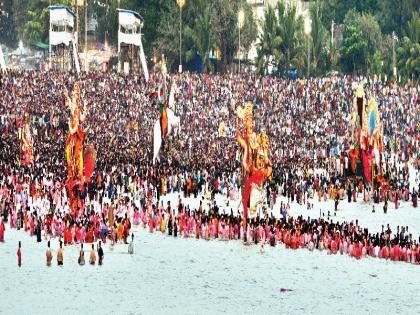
(307, 27)
(49, 44)
(241, 19)
(239, 51)
(77, 22)
(180, 4)
(180, 38)
(394, 59)
(86, 48)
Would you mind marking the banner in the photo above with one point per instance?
(2, 63)
(143, 62)
(76, 57)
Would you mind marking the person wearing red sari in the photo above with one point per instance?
(19, 254)
(126, 231)
(2, 229)
(197, 231)
(89, 235)
(25, 222)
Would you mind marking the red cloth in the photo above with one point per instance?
(2, 228)
(255, 178)
(89, 162)
(334, 247)
(353, 153)
(357, 251)
(385, 252)
(367, 156)
(293, 243)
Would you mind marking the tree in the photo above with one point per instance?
(249, 30)
(290, 30)
(19, 15)
(269, 41)
(319, 39)
(167, 35)
(31, 19)
(201, 36)
(368, 26)
(337, 9)
(409, 51)
(394, 14)
(225, 26)
(7, 29)
(107, 18)
(413, 28)
(153, 11)
(353, 50)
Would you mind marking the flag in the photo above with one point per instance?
(161, 91)
(171, 101)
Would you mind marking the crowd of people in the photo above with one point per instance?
(306, 122)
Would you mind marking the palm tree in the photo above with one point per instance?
(318, 35)
(167, 34)
(409, 51)
(413, 28)
(290, 30)
(201, 36)
(409, 58)
(269, 41)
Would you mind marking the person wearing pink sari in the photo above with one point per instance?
(143, 218)
(151, 224)
(186, 231)
(136, 217)
(206, 232)
(191, 223)
(31, 226)
(403, 254)
(350, 249)
(225, 232)
(82, 234)
(385, 252)
(277, 235)
(77, 234)
(413, 255)
(334, 247)
(364, 251)
(250, 236)
(158, 221)
(13, 219)
(267, 231)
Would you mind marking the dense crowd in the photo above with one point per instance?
(306, 122)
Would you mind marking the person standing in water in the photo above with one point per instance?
(100, 254)
(92, 258)
(131, 245)
(2, 229)
(81, 259)
(38, 230)
(48, 254)
(19, 254)
(60, 258)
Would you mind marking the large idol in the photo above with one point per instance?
(80, 162)
(255, 165)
